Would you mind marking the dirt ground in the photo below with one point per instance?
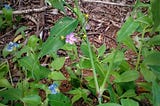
(105, 19)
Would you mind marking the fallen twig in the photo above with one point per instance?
(35, 10)
(107, 2)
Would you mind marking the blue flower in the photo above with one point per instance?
(12, 46)
(54, 88)
(7, 6)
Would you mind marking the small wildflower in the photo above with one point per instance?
(54, 88)
(71, 39)
(12, 46)
(7, 6)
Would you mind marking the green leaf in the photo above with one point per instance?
(119, 57)
(58, 100)
(127, 76)
(147, 74)
(129, 102)
(21, 30)
(155, 9)
(153, 60)
(154, 40)
(11, 94)
(56, 76)
(2, 104)
(109, 104)
(101, 50)
(129, 43)
(156, 92)
(58, 4)
(32, 100)
(54, 42)
(58, 63)
(85, 64)
(31, 65)
(79, 93)
(129, 93)
(32, 42)
(127, 29)
(5, 83)
(4, 68)
(34, 67)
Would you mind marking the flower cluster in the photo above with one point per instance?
(71, 39)
(54, 88)
(12, 46)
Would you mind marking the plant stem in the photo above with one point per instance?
(10, 76)
(89, 49)
(140, 50)
(102, 88)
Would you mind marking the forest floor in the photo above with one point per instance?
(105, 19)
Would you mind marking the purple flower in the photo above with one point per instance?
(54, 88)
(11, 46)
(71, 39)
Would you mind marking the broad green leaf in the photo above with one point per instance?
(129, 93)
(101, 50)
(153, 61)
(64, 26)
(147, 74)
(58, 100)
(58, 63)
(129, 102)
(85, 64)
(155, 9)
(11, 94)
(31, 65)
(127, 76)
(54, 42)
(85, 52)
(56, 76)
(58, 4)
(156, 92)
(129, 43)
(154, 40)
(32, 100)
(32, 42)
(79, 93)
(51, 45)
(5, 83)
(119, 57)
(145, 20)
(127, 29)
(34, 67)
(109, 104)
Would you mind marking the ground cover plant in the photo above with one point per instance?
(112, 80)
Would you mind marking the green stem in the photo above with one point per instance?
(10, 76)
(140, 50)
(102, 88)
(89, 49)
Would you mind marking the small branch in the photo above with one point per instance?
(35, 10)
(107, 2)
